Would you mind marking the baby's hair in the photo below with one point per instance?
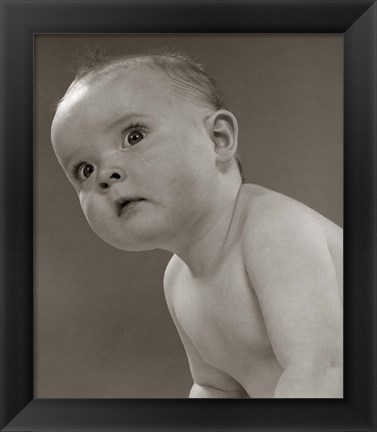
(187, 78)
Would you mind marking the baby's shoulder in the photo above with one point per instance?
(270, 216)
(267, 206)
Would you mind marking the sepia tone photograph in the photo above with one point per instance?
(188, 216)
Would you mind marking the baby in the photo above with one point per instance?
(255, 282)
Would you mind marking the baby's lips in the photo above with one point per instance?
(120, 203)
(123, 200)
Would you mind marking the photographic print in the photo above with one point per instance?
(188, 196)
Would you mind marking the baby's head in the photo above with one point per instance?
(149, 147)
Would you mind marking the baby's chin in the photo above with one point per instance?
(131, 247)
(128, 244)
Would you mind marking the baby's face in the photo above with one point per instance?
(140, 159)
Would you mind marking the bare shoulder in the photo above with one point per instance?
(286, 245)
(273, 219)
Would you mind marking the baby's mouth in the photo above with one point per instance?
(124, 204)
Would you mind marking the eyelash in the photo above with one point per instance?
(75, 171)
(131, 127)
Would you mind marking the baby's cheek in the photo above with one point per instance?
(97, 215)
(90, 209)
(84, 202)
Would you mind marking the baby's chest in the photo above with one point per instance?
(223, 319)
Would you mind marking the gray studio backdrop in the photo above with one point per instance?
(102, 328)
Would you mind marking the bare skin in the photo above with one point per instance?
(254, 286)
(236, 349)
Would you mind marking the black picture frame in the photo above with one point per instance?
(21, 20)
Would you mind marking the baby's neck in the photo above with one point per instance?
(202, 251)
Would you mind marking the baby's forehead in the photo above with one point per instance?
(129, 86)
(104, 90)
(107, 93)
(145, 79)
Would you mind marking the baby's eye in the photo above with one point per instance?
(86, 170)
(83, 171)
(133, 137)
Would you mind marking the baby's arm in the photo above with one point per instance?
(293, 275)
(209, 382)
(202, 391)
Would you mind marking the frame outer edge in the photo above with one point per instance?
(21, 40)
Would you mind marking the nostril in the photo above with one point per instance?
(108, 178)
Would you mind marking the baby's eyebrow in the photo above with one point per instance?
(124, 118)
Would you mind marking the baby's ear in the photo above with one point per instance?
(223, 129)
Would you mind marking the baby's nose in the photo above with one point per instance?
(109, 176)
